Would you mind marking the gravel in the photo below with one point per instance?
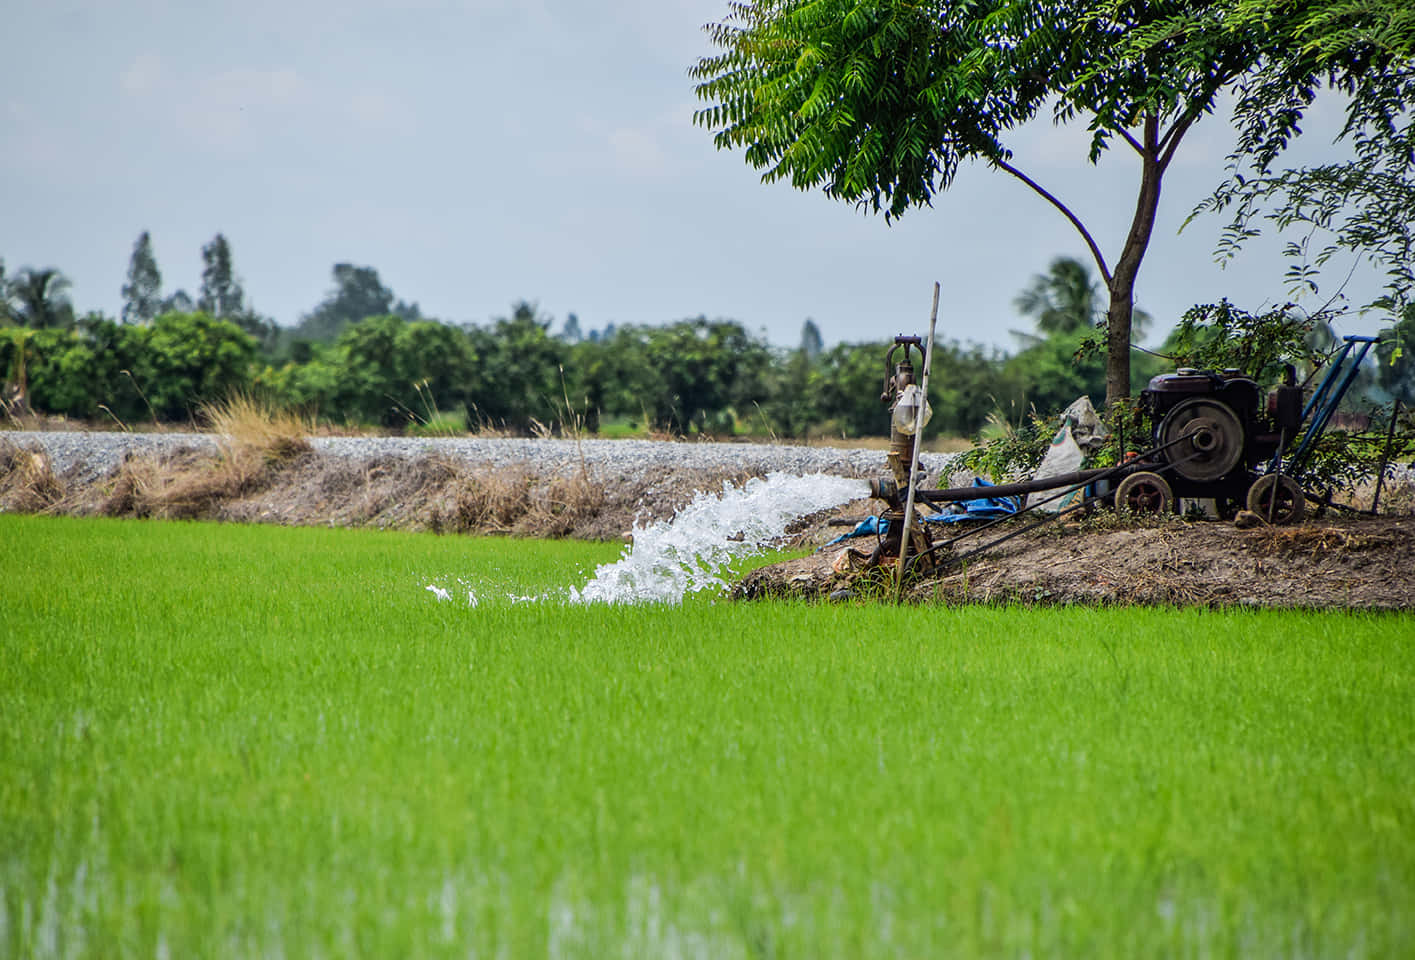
(89, 456)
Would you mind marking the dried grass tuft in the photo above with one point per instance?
(558, 507)
(489, 501)
(253, 440)
(250, 427)
(514, 500)
(27, 481)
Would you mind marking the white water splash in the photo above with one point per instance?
(668, 560)
(445, 595)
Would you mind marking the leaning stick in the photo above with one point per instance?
(906, 535)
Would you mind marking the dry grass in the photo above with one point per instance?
(27, 481)
(253, 440)
(1313, 541)
(513, 500)
(251, 427)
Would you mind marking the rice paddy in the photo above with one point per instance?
(228, 741)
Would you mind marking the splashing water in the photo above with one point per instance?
(670, 559)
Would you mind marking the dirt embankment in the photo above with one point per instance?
(1330, 562)
(265, 471)
(298, 484)
(1333, 562)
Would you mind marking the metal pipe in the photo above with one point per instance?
(1118, 468)
(906, 534)
(954, 494)
(1324, 402)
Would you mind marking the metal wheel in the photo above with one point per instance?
(1288, 505)
(1144, 493)
(1214, 443)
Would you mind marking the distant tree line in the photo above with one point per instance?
(365, 357)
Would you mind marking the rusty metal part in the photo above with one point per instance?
(898, 376)
(1277, 499)
(1145, 493)
(1215, 437)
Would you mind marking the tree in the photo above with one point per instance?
(880, 103)
(1395, 370)
(791, 406)
(846, 386)
(703, 371)
(357, 294)
(39, 299)
(812, 343)
(1066, 300)
(1362, 49)
(221, 294)
(1063, 300)
(223, 298)
(142, 294)
(393, 372)
(71, 372)
(191, 359)
(4, 295)
(179, 302)
(520, 365)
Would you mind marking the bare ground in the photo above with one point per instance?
(1334, 562)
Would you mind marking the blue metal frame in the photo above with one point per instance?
(1326, 399)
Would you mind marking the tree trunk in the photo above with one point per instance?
(1122, 282)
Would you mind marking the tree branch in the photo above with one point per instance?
(1132, 141)
(1066, 212)
(1170, 141)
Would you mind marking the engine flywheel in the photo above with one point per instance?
(1210, 439)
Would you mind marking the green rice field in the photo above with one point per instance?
(233, 741)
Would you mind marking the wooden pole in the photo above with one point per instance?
(907, 534)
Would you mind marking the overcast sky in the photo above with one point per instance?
(478, 152)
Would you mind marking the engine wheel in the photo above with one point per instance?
(1144, 493)
(1207, 439)
(1277, 499)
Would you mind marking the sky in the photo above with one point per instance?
(481, 152)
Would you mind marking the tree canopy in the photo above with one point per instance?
(142, 294)
(1362, 206)
(358, 294)
(39, 298)
(221, 294)
(881, 102)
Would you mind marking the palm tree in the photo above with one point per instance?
(1066, 300)
(39, 298)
